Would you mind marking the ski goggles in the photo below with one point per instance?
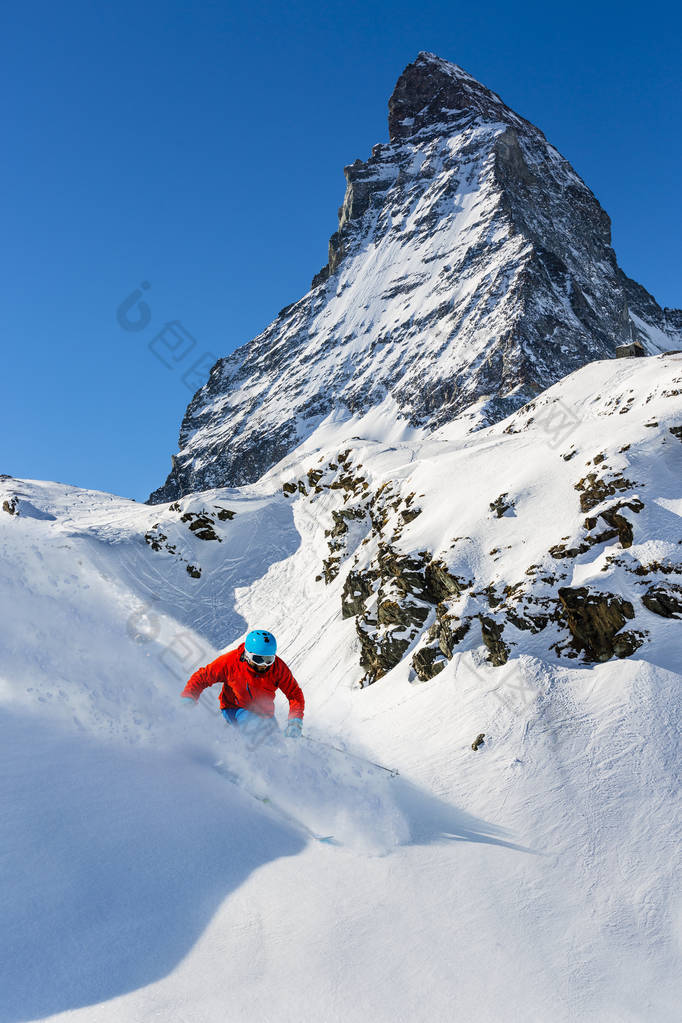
(260, 659)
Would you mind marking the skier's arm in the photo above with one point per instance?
(291, 689)
(205, 677)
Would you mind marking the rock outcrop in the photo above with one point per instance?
(423, 605)
(595, 621)
(664, 600)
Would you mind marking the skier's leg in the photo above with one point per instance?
(256, 727)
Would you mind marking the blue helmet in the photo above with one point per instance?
(260, 648)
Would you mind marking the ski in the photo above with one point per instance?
(393, 772)
(275, 809)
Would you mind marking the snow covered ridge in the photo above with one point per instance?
(555, 533)
(472, 268)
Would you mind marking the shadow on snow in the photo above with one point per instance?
(116, 858)
(113, 863)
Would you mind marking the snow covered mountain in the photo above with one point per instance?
(522, 583)
(472, 268)
(462, 518)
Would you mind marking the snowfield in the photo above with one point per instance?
(536, 878)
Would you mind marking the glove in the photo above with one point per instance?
(188, 701)
(255, 727)
(293, 729)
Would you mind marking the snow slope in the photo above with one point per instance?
(534, 879)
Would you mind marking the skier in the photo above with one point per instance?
(250, 675)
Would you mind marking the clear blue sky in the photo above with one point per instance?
(200, 147)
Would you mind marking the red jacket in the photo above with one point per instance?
(244, 687)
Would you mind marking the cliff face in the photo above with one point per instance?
(471, 269)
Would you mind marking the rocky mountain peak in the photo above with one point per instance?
(471, 269)
(432, 92)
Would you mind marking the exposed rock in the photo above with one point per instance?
(331, 567)
(651, 567)
(342, 518)
(560, 550)
(532, 622)
(648, 312)
(201, 525)
(594, 490)
(676, 431)
(490, 594)
(619, 523)
(405, 570)
(155, 538)
(407, 588)
(595, 620)
(478, 741)
(440, 583)
(491, 632)
(405, 613)
(337, 539)
(664, 600)
(627, 643)
(357, 588)
(380, 651)
(448, 630)
(428, 662)
(442, 639)
(314, 477)
(501, 505)
(11, 506)
(224, 514)
(620, 528)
